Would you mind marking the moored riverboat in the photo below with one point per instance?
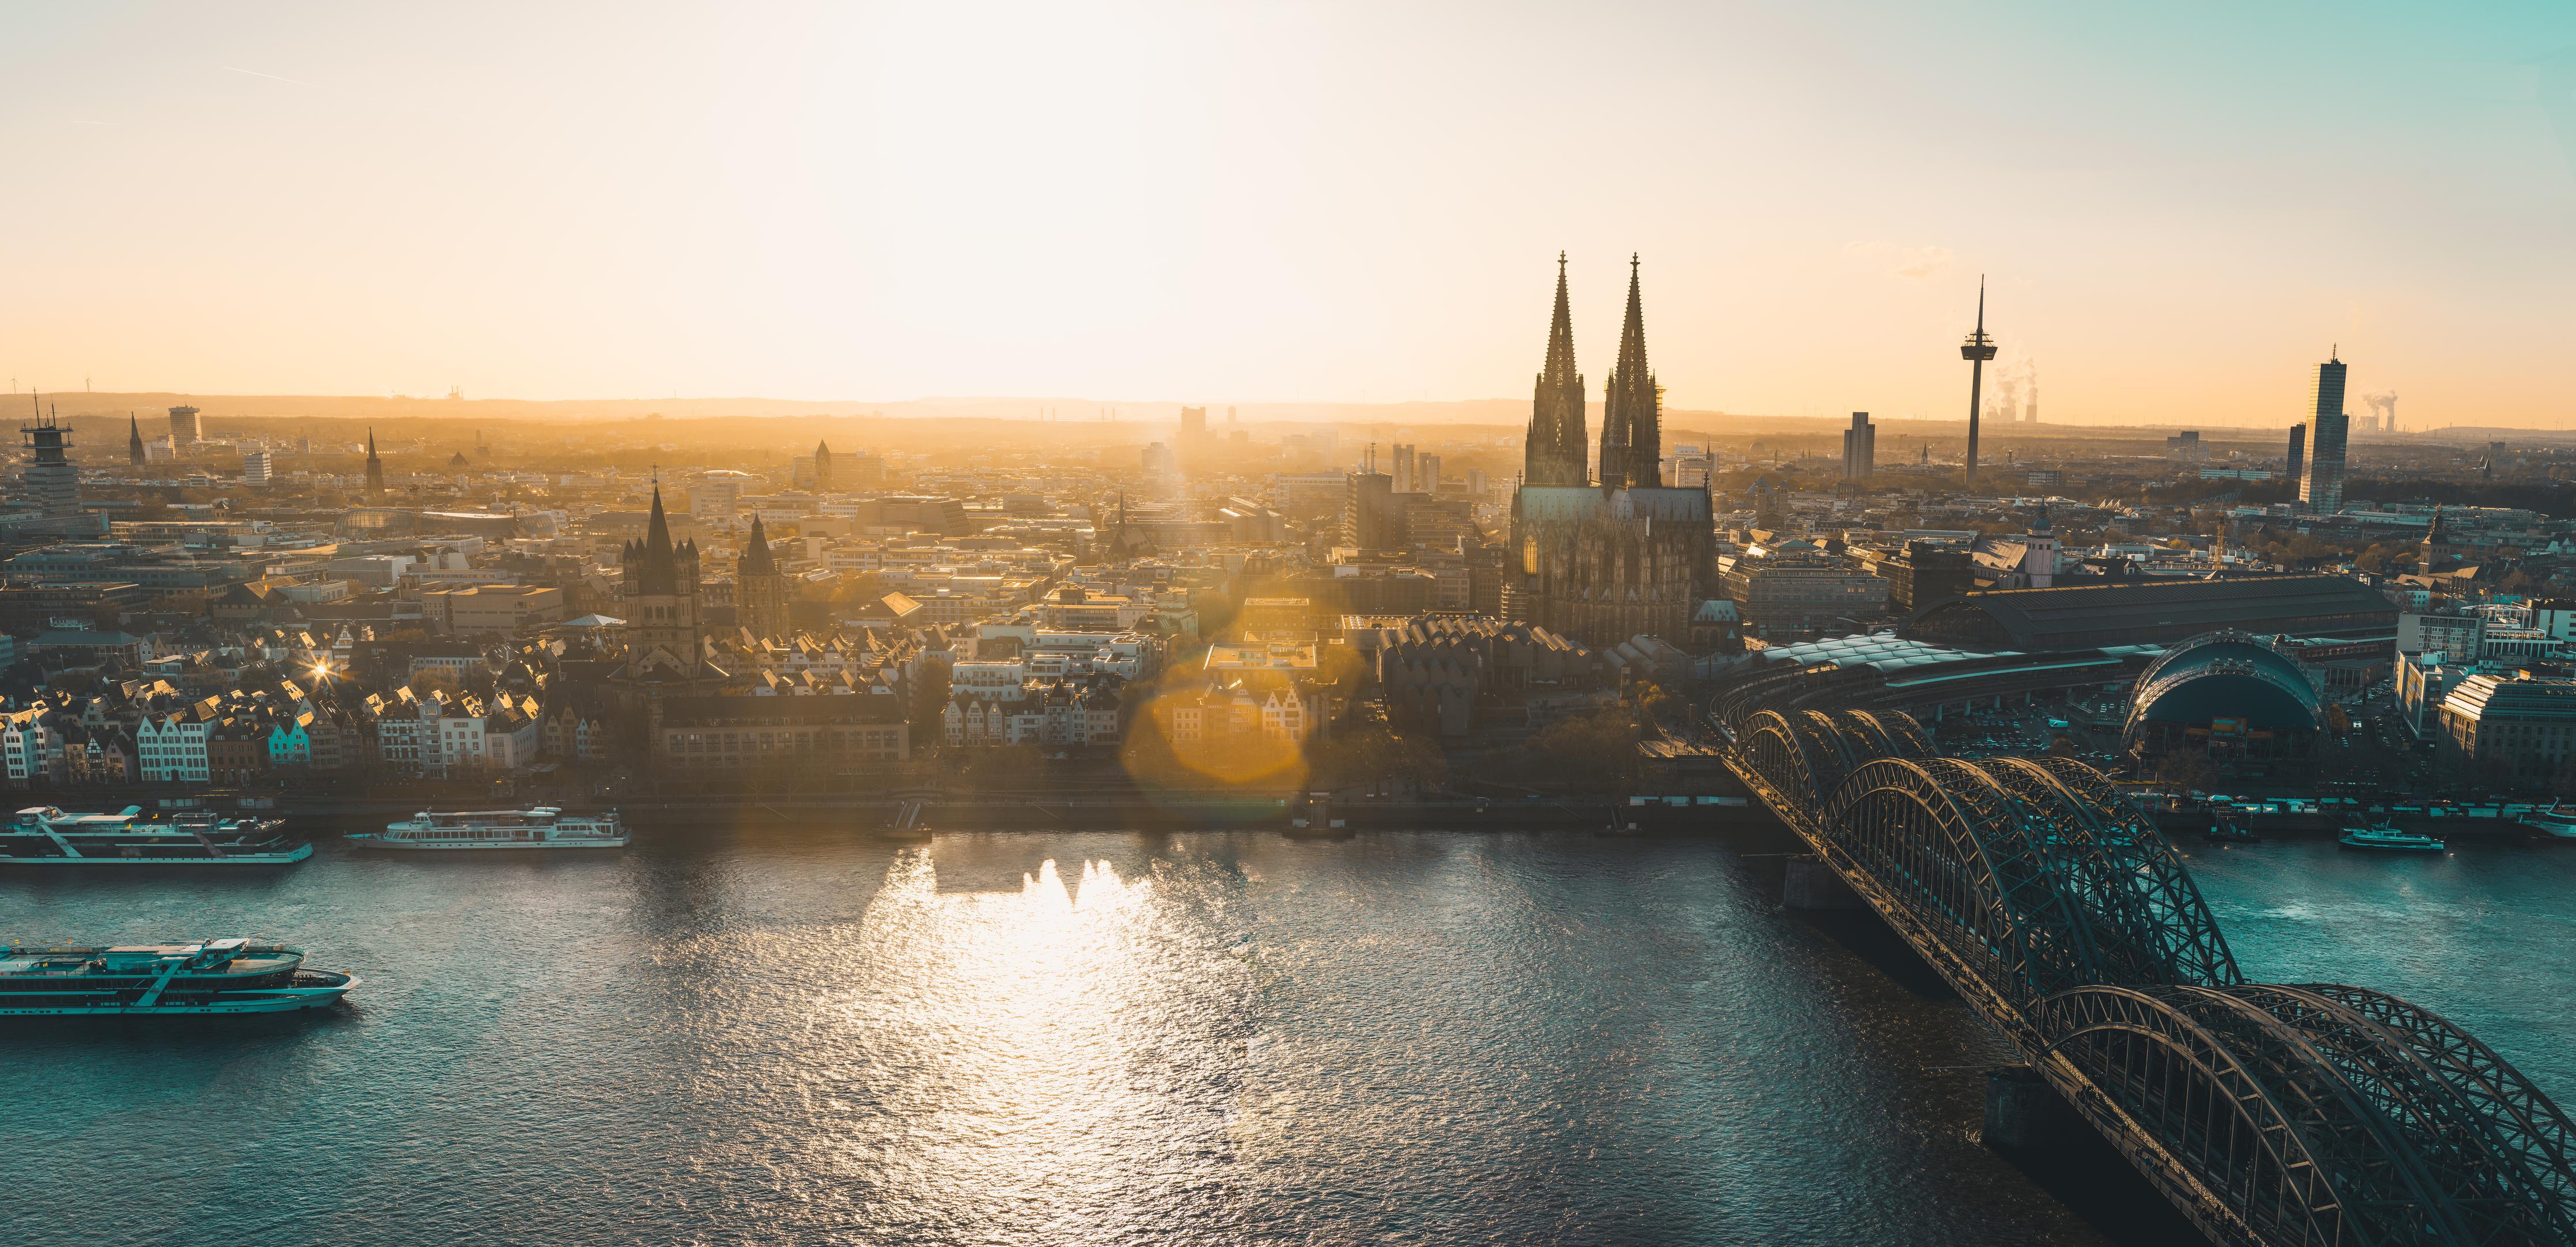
(138, 980)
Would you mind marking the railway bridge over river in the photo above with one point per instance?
(2311, 1113)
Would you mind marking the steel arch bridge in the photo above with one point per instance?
(2305, 1114)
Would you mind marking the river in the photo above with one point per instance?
(789, 1036)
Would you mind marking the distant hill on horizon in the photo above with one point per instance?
(1502, 413)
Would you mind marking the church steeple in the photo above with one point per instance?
(1632, 440)
(375, 466)
(661, 573)
(1552, 451)
(756, 560)
(133, 440)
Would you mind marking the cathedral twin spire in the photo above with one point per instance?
(1632, 410)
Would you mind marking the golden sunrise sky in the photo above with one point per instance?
(2180, 208)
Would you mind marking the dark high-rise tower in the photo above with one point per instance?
(134, 440)
(1976, 350)
(1553, 453)
(2298, 455)
(375, 466)
(49, 479)
(2321, 490)
(1632, 438)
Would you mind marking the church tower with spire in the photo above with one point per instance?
(822, 467)
(134, 441)
(1630, 558)
(1632, 438)
(375, 466)
(1553, 451)
(663, 633)
(759, 588)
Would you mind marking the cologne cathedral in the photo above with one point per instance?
(1604, 561)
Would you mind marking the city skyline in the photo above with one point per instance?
(837, 205)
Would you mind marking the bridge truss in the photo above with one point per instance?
(2304, 1114)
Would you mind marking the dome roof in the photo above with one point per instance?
(2232, 675)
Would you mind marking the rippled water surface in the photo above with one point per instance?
(793, 1037)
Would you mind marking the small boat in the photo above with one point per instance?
(2389, 840)
(907, 827)
(2556, 821)
(2221, 831)
(143, 980)
(538, 827)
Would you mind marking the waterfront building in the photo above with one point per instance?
(2423, 681)
(2517, 725)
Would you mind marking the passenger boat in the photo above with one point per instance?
(2389, 840)
(537, 827)
(44, 835)
(2556, 821)
(141, 980)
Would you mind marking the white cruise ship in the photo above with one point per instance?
(44, 835)
(537, 827)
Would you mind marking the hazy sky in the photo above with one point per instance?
(2181, 208)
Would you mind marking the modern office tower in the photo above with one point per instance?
(50, 480)
(1426, 474)
(184, 431)
(2321, 490)
(1370, 518)
(1403, 472)
(1860, 449)
(1977, 350)
(255, 467)
(375, 466)
(1552, 453)
(2298, 453)
(1193, 422)
(1632, 407)
(135, 454)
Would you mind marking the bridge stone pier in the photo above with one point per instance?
(2313, 1113)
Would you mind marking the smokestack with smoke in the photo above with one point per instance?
(2383, 405)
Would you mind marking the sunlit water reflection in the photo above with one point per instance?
(799, 1038)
